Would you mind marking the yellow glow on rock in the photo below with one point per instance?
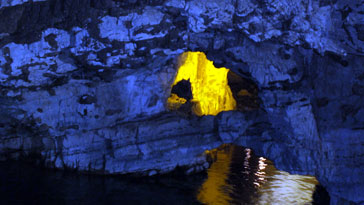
(243, 92)
(175, 102)
(210, 90)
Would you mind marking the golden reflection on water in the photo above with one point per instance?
(215, 190)
(239, 177)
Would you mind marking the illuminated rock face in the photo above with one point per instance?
(91, 94)
(210, 89)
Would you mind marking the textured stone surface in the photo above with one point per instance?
(84, 84)
(7, 3)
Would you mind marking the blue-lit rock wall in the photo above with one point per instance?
(84, 84)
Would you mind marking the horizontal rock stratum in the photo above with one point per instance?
(84, 85)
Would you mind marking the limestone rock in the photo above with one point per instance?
(84, 84)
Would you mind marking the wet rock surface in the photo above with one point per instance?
(84, 85)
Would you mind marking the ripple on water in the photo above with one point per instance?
(238, 176)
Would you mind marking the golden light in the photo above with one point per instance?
(237, 176)
(175, 102)
(215, 190)
(209, 85)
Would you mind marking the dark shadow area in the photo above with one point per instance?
(321, 196)
(183, 89)
(236, 175)
(23, 183)
(245, 92)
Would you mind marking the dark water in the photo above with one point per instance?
(237, 176)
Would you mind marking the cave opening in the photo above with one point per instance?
(202, 89)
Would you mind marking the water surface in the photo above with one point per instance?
(236, 176)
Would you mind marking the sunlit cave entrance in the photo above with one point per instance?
(238, 176)
(201, 88)
(235, 175)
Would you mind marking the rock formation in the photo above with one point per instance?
(84, 84)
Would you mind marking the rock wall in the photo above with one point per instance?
(84, 84)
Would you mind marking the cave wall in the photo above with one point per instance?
(84, 84)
